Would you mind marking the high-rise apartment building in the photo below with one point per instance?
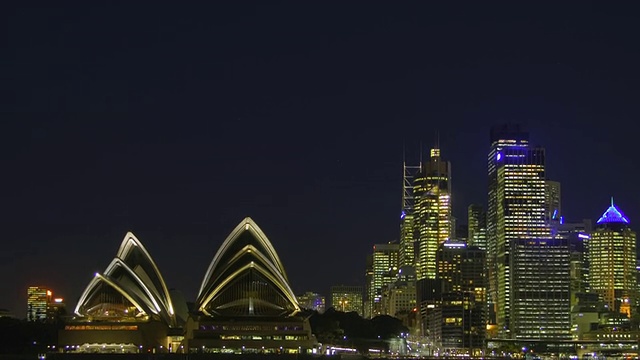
(38, 298)
(347, 298)
(613, 259)
(383, 271)
(432, 212)
(517, 232)
(477, 226)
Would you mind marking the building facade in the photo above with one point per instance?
(347, 298)
(577, 234)
(56, 309)
(384, 265)
(613, 259)
(477, 226)
(457, 322)
(38, 298)
(553, 196)
(312, 301)
(541, 289)
(400, 298)
(432, 212)
(518, 228)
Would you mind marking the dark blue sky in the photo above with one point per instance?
(176, 121)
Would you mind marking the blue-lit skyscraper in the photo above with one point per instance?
(528, 270)
(613, 258)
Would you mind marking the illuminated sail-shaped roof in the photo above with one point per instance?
(246, 278)
(612, 215)
(131, 288)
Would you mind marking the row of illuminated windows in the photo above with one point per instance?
(531, 218)
(513, 199)
(263, 337)
(524, 210)
(619, 250)
(613, 263)
(524, 191)
(549, 323)
(535, 313)
(525, 206)
(560, 300)
(536, 212)
(250, 327)
(544, 252)
(527, 174)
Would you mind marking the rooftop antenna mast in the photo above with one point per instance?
(408, 174)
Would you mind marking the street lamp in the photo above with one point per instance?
(343, 303)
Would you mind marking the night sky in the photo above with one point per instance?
(175, 121)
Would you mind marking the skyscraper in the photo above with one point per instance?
(432, 211)
(612, 257)
(407, 233)
(458, 319)
(384, 267)
(553, 200)
(540, 289)
(577, 233)
(516, 222)
(477, 228)
(37, 299)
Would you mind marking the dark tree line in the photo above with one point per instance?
(337, 327)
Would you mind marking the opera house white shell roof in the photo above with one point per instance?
(246, 278)
(131, 288)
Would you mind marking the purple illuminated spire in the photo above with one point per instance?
(612, 215)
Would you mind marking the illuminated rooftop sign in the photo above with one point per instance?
(612, 215)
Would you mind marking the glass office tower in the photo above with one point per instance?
(518, 235)
(432, 212)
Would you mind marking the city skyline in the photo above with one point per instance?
(360, 280)
(178, 124)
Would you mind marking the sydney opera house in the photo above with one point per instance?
(245, 305)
